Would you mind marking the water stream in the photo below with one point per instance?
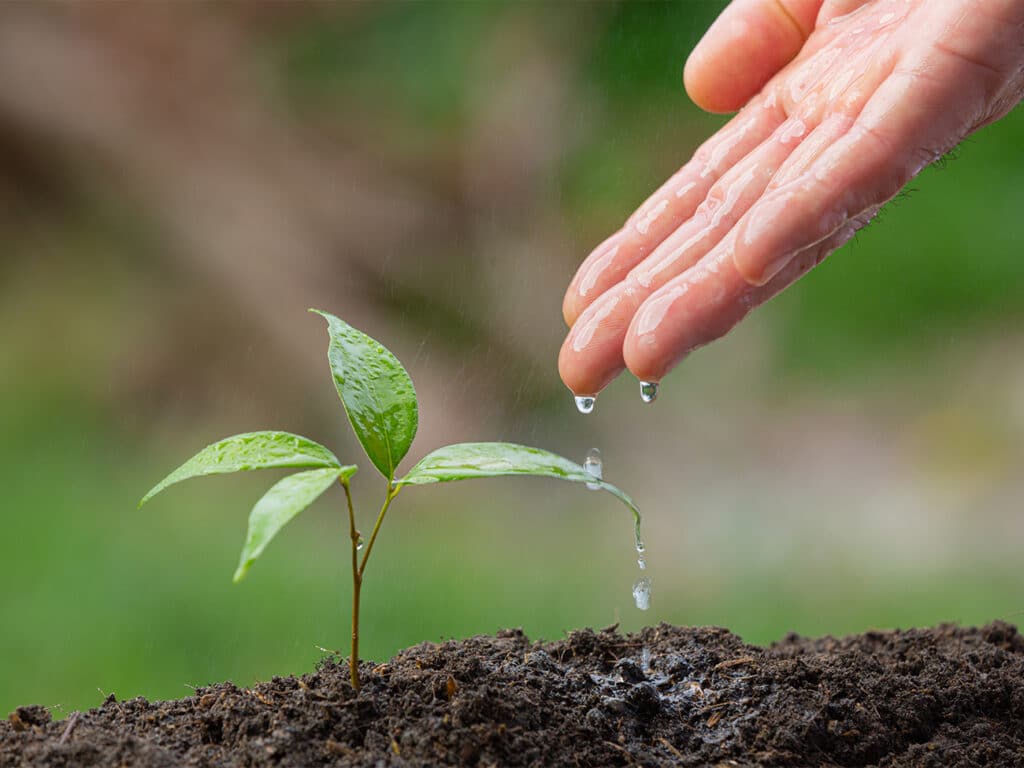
(594, 466)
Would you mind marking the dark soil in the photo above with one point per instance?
(667, 696)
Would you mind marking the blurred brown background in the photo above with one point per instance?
(180, 181)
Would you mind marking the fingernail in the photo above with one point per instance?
(767, 271)
(839, 236)
(767, 239)
(648, 391)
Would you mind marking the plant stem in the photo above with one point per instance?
(392, 492)
(358, 569)
(357, 579)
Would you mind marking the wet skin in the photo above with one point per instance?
(845, 102)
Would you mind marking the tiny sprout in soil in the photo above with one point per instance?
(381, 405)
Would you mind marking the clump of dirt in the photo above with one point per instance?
(666, 696)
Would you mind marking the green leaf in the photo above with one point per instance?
(464, 461)
(280, 504)
(252, 450)
(377, 393)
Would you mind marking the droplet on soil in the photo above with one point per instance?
(648, 391)
(642, 593)
(593, 466)
(585, 403)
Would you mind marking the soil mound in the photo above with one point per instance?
(947, 696)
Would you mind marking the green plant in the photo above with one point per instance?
(381, 405)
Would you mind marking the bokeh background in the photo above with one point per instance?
(181, 181)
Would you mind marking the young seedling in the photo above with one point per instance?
(381, 405)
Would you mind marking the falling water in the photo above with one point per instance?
(642, 593)
(642, 587)
(593, 465)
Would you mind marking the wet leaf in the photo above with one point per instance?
(252, 450)
(464, 461)
(280, 504)
(376, 391)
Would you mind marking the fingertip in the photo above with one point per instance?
(575, 374)
(591, 355)
(696, 307)
(644, 362)
(704, 87)
(642, 351)
(569, 368)
(748, 43)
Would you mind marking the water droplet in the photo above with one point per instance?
(593, 466)
(585, 403)
(642, 593)
(642, 562)
(359, 543)
(648, 391)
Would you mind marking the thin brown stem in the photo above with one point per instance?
(358, 568)
(392, 492)
(357, 582)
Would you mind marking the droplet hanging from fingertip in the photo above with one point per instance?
(585, 403)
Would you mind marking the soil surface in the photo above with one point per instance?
(666, 696)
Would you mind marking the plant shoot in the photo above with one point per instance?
(380, 402)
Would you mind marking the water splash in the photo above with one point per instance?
(648, 391)
(642, 593)
(593, 466)
(585, 403)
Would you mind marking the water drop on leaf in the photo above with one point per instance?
(593, 466)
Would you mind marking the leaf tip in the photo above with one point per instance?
(152, 492)
(243, 568)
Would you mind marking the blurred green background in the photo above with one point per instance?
(182, 180)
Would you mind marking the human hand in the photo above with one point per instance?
(853, 99)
